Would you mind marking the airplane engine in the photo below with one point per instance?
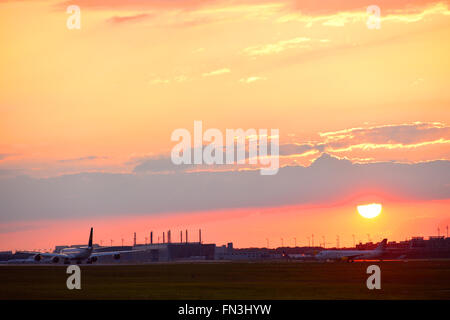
(117, 256)
(91, 260)
(37, 257)
(55, 259)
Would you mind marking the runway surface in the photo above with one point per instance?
(230, 280)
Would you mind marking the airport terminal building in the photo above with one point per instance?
(163, 252)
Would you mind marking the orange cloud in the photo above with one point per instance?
(341, 17)
(306, 6)
(123, 19)
(216, 72)
(325, 7)
(390, 136)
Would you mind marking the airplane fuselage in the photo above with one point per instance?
(77, 253)
(350, 254)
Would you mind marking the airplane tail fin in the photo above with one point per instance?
(382, 245)
(90, 238)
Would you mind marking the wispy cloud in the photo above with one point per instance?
(159, 81)
(306, 6)
(6, 155)
(124, 19)
(280, 46)
(216, 72)
(369, 141)
(402, 134)
(252, 79)
(87, 158)
(357, 14)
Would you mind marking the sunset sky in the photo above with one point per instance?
(86, 118)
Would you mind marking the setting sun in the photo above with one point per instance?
(369, 210)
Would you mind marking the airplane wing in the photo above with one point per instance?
(361, 256)
(52, 256)
(351, 257)
(112, 253)
(115, 254)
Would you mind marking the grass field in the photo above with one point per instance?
(262, 280)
